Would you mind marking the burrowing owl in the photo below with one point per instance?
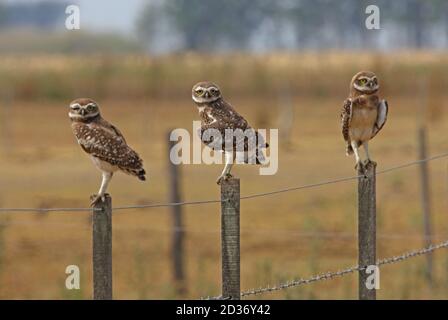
(104, 143)
(363, 114)
(216, 114)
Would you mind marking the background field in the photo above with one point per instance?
(287, 236)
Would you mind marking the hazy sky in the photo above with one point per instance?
(105, 15)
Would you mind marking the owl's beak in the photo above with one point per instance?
(83, 112)
(207, 95)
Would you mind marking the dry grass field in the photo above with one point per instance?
(286, 236)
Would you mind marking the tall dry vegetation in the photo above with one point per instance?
(307, 74)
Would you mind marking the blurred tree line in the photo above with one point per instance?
(39, 26)
(263, 25)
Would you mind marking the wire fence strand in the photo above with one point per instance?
(336, 274)
(257, 195)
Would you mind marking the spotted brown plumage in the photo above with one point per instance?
(363, 113)
(345, 123)
(219, 116)
(104, 143)
(102, 140)
(228, 119)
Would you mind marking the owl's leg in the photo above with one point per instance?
(107, 176)
(366, 149)
(356, 151)
(225, 175)
(369, 161)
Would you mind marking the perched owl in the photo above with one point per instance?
(104, 143)
(216, 114)
(363, 115)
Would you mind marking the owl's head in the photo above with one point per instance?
(83, 109)
(205, 92)
(365, 82)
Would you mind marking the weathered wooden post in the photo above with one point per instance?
(366, 226)
(426, 199)
(230, 238)
(177, 245)
(102, 249)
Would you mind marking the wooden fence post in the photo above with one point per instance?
(426, 199)
(177, 245)
(366, 226)
(230, 238)
(102, 250)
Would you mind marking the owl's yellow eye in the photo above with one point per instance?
(199, 92)
(90, 108)
(363, 81)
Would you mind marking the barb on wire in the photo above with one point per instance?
(257, 195)
(332, 275)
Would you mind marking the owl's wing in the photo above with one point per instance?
(108, 146)
(249, 149)
(346, 117)
(118, 132)
(224, 117)
(383, 109)
(239, 122)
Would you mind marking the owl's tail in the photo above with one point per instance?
(141, 174)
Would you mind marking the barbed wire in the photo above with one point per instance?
(257, 195)
(343, 272)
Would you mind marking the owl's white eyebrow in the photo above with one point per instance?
(213, 88)
(75, 105)
(91, 104)
(199, 88)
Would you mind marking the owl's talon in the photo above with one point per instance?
(94, 198)
(97, 198)
(369, 162)
(359, 167)
(223, 177)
